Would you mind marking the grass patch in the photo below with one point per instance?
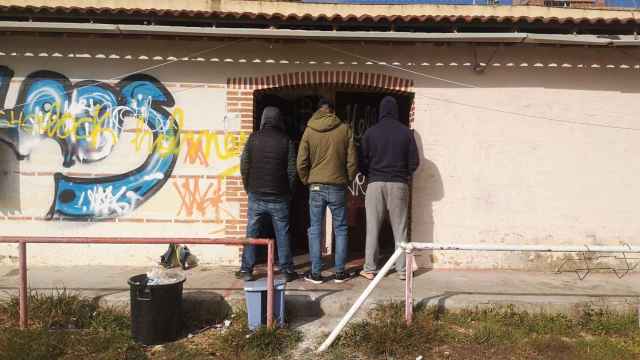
(386, 335)
(605, 322)
(604, 348)
(552, 347)
(64, 325)
(238, 342)
(497, 333)
(67, 326)
(62, 310)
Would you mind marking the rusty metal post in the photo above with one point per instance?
(22, 259)
(408, 288)
(270, 284)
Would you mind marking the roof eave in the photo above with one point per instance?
(373, 36)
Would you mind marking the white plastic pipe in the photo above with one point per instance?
(365, 294)
(516, 247)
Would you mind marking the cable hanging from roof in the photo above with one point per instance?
(479, 107)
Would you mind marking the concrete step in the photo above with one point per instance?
(217, 287)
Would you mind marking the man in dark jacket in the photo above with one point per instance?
(268, 168)
(388, 158)
(327, 162)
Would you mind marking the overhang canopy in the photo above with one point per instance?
(373, 36)
(487, 19)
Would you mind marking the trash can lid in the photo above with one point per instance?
(261, 284)
(168, 278)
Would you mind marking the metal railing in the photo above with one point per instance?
(22, 242)
(409, 248)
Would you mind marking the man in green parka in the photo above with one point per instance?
(327, 162)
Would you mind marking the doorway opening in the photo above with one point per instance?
(358, 107)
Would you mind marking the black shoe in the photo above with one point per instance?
(341, 277)
(244, 275)
(291, 275)
(313, 278)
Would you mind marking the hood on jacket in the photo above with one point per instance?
(271, 119)
(323, 121)
(388, 109)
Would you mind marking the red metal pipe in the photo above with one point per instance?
(22, 258)
(270, 284)
(408, 289)
(132, 241)
(22, 246)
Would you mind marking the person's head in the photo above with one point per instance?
(325, 105)
(271, 118)
(388, 108)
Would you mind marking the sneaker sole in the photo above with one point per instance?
(317, 282)
(340, 281)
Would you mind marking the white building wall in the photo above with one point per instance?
(538, 148)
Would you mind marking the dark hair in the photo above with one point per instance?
(325, 102)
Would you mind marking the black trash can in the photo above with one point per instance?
(156, 310)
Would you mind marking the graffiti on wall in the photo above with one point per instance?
(358, 186)
(360, 118)
(202, 144)
(86, 120)
(201, 147)
(201, 198)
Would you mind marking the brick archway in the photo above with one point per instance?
(345, 78)
(240, 90)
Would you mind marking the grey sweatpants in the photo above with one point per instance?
(380, 198)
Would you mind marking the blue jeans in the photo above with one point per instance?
(277, 208)
(321, 197)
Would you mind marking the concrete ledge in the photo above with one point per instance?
(214, 290)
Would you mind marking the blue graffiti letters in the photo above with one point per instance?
(117, 195)
(86, 120)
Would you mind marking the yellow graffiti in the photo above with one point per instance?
(200, 147)
(95, 128)
(54, 124)
(231, 171)
(165, 144)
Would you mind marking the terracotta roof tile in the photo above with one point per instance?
(59, 11)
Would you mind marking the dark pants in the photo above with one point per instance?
(333, 197)
(277, 208)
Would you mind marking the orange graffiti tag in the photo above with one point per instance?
(201, 145)
(197, 148)
(197, 201)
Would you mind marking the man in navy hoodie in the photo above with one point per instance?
(388, 158)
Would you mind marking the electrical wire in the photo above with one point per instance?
(377, 62)
(480, 107)
(149, 68)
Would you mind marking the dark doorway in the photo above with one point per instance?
(358, 108)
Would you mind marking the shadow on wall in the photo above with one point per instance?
(9, 181)
(427, 188)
